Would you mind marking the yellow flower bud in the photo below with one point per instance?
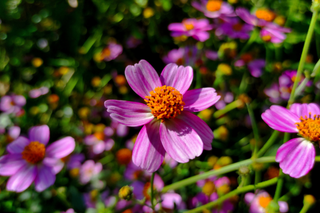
(126, 193)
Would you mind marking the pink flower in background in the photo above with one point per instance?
(111, 52)
(214, 8)
(259, 202)
(99, 143)
(115, 127)
(233, 28)
(296, 157)
(255, 66)
(182, 56)
(89, 170)
(30, 161)
(35, 93)
(12, 103)
(169, 126)
(191, 27)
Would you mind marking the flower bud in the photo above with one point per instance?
(126, 193)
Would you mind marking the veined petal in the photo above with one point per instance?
(200, 127)
(55, 164)
(22, 179)
(296, 157)
(199, 99)
(178, 77)
(142, 78)
(129, 113)
(304, 109)
(18, 145)
(45, 178)
(148, 152)
(180, 141)
(10, 164)
(281, 119)
(61, 148)
(40, 134)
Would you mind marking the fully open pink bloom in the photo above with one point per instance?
(191, 27)
(168, 124)
(296, 157)
(30, 161)
(214, 8)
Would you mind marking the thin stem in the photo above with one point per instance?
(316, 69)
(303, 56)
(255, 131)
(223, 170)
(152, 192)
(228, 108)
(233, 193)
(267, 145)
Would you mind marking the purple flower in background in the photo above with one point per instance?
(273, 93)
(191, 27)
(179, 133)
(214, 8)
(30, 161)
(120, 129)
(182, 56)
(89, 171)
(75, 161)
(12, 103)
(233, 28)
(255, 66)
(296, 157)
(259, 202)
(212, 55)
(133, 42)
(111, 52)
(13, 133)
(35, 93)
(275, 34)
(99, 143)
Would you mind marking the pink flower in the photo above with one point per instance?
(213, 8)
(99, 143)
(191, 27)
(182, 56)
(35, 93)
(296, 157)
(234, 29)
(89, 171)
(30, 161)
(12, 103)
(259, 202)
(167, 119)
(111, 52)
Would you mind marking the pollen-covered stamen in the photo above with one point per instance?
(165, 102)
(265, 14)
(34, 152)
(188, 25)
(214, 5)
(309, 127)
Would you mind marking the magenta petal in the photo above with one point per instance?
(10, 164)
(199, 99)
(296, 157)
(201, 36)
(18, 145)
(55, 164)
(148, 152)
(178, 77)
(304, 109)
(200, 127)
(99, 147)
(176, 27)
(180, 141)
(44, 179)
(142, 78)
(129, 113)
(40, 134)
(281, 119)
(22, 179)
(61, 148)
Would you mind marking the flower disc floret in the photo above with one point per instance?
(34, 152)
(214, 5)
(265, 14)
(188, 25)
(309, 127)
(264, 201)
(165, 102)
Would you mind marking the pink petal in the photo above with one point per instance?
(10, 164)
(148, 152)
(99, 147)
(40, 134)
(142, 78)
(200, 127)
(61, 148)
(176, 27)
(55, 164)
(22, 179)
(18, 145)
(169, 199)
(178, 77)
(129, 113)
(201, 36)
(304, 109)
(199, 99)
(296, 157)
(180, 141)
(281, 119)
(45, 178)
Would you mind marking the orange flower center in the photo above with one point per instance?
(180, 61)
(265, 14)
(214, 5)
(208, 188)
(99, 135)
(34, 152)
(237, 27)
(147, 190)
(188, 25)
(266, 38)
(106, 52)
(309, 127)
(247, 57)
(165, 102)
(264, 201)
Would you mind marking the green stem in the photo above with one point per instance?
(316, 69)
(223, 170)
(152, 191)
(233, 193)
(267, 145)
(255, 131)
(303, 56)
(305, 209)
(252, 38)
(228, 108)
